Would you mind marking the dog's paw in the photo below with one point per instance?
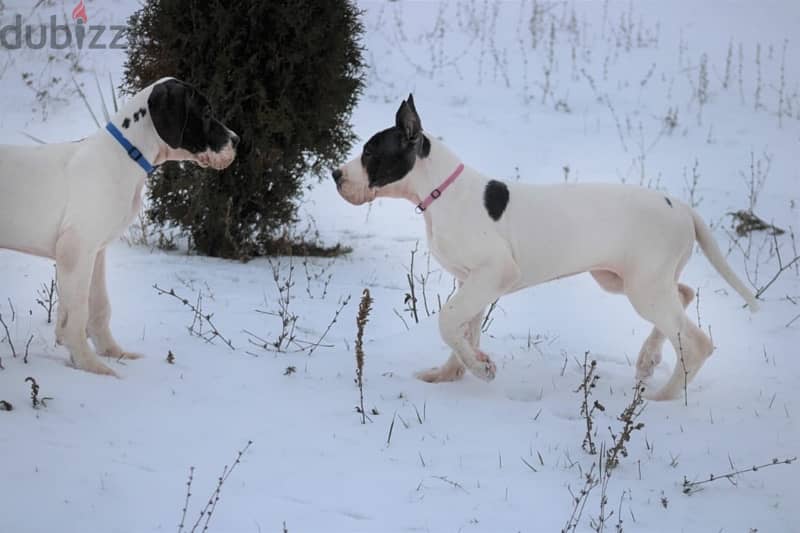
(644, 372)
(485, 368)
(660, 395)
(441, 374)
(93, 365)
(107, 347)
(646, 365)
(122, 354)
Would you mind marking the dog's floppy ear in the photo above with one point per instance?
(408, 120)
(168, 103)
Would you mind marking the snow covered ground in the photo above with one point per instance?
(698, 99)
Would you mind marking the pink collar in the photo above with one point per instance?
(437, 192)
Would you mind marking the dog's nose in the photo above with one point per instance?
(234, 140)
(337, 175)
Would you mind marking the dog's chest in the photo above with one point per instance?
(444, 250)
(122, 210)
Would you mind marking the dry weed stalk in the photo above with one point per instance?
(690, 487)
(27, 348)
(35, 400)
(288, 319)
(781, 267)
(746, 222)
(629, 424)
(287, 337)
(47, 298)
(186, 501)
(198, 318)
(362, 318)
(604, 476)
(391, 430)
(579, 500)
(418, 285)
(587, 412)
(410, 299)
(487, 320)
(691, 186)
(685, 371)
(313, 346)
(208, 510)
(319, 277)
(8, 334)
(454, 484)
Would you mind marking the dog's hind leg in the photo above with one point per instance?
(453, 368)
(100, 313)
(651, 351)
(74, 265)
(657, 301)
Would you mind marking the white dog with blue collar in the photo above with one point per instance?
(68, 201)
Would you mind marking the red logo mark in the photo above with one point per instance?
(79, 13)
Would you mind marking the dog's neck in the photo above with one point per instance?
(429, 172)
(134, 122)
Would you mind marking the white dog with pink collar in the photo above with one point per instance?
(497, 238)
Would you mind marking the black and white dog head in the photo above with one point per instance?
(387, 158)
(185, 123)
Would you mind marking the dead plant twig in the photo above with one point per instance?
(35, 400)
(48, 298)
(487, 320)
(746, 222)
(198, 318)
(781, 267)
(8, 335)
(690, 487)
(629, 424)
(27, 347)
(579, 500)
(587, 412)
(208, 510)
(333, 321)
(410, 299)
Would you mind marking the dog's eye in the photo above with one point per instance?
(367, 151)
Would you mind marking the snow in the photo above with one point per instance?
(114, 454)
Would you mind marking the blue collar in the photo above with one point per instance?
(133, 152)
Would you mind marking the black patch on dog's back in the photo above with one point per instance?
(669, 202)
(495, 198)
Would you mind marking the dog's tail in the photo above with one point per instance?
(711, 250)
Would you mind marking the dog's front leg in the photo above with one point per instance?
(74, 266)
(453, 368)
(481, 287)
(100, 313)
